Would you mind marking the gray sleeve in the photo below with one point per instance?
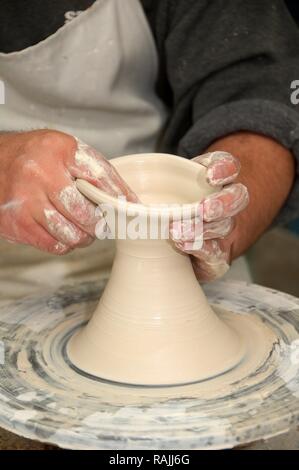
(265, 117)
(230, 65)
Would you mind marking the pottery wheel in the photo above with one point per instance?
(43, 397)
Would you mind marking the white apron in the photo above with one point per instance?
(95, 78)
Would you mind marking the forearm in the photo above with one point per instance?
(268, 171)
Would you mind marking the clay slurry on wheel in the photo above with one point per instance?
(42, 398)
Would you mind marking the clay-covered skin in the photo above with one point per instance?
(211, 260)
(153, 325)
(39, 202)
(52, 215)
(265, 163)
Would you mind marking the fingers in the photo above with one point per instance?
(181, 232)
(211, 262)
(76, 208)
(41, 205)
(63, 230)
(209, 253)
(38, 237)
(225, 203)
(64, 196)
(90, 165)
(222, 167)
(218, 229)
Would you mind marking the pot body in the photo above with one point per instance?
(153, 325)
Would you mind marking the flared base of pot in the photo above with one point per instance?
(113, 381)
(175, 368)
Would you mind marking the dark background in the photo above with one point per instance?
(293, 6)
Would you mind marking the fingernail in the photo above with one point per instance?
(219, 174)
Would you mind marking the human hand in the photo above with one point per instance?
(211, 260)
(39, 202)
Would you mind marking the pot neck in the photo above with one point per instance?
(148, 248)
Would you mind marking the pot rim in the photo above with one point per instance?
(175, 210)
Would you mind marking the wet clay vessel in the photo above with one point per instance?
(153, 325)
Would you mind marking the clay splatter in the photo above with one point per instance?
(43, 398)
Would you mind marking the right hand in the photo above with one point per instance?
(212, 258)
(39, 202)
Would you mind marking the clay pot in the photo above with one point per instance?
(153, 325)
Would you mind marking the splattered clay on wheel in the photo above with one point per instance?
(43, 397)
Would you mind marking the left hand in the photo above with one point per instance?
(212, 259)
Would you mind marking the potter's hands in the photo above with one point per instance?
(39, 202)
(212, 258)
